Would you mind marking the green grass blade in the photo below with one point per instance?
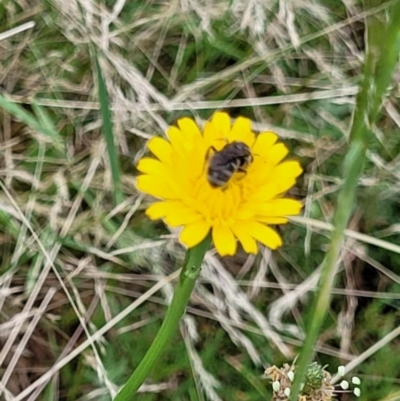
(42, 123)
(380, 63)
(45, 121)
(109, 135)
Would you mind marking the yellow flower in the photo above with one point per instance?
(241, 210)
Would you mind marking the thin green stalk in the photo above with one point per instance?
(381, 59)
(187, 280)
(40, 122)
(107, 130)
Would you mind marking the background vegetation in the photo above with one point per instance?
(85, 276)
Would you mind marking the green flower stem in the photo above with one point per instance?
(381, 59)
(187, 280)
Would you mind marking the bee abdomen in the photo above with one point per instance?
(226, 162)
(219, 178)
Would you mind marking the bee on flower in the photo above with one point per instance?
(223, 179)
(223, 165)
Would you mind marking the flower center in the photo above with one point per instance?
(218, 205)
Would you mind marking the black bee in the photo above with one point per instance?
(224, 163)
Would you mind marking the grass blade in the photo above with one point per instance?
(42, 123)
(109, 135)
(380, 63)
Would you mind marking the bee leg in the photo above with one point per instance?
(208, 156)
(209, 150)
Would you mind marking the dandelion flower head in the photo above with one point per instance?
(242, 210)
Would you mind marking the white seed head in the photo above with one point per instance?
(357, 392)
(290, 375)
(287, 391)
(276, 386)
(341, 370)
(344, 384)
(356, 380)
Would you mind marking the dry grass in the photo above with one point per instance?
(74, 265)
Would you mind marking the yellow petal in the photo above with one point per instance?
(266, 192)
(195, 147)
(272, 220)
(291, 168)
(248, 243)
(182, 215)
(260, 171)
(279, 207)
(240, 126)
(209, 134)
(222, 124)
(277, 153)
(153, 186)
(263, 143)
(262, 233)
(161, 149)
(151, 166)
(284, 185)
(193, 234)
(158, 210)
(272, 189)
(177, 140)
(245, 213)
(188, 127)
(288, 207)
(241, 131)
(224, 240)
